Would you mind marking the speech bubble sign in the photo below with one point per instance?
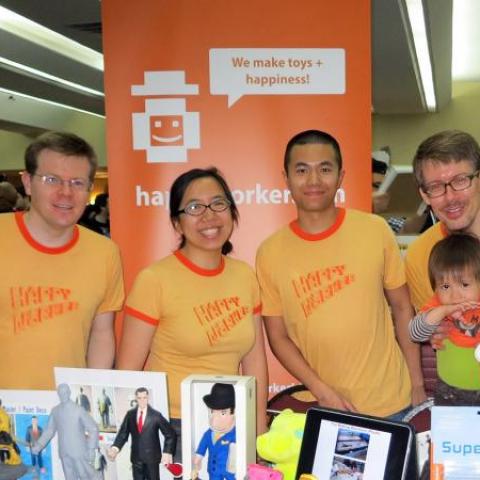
(276, 71)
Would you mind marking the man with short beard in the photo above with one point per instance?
(446, 167)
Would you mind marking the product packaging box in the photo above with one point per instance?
(218, 426)
(455, 443)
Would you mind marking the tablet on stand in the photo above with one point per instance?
(346, 446)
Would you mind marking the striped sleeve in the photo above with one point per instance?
(420, 330)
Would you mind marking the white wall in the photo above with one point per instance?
(403, 133)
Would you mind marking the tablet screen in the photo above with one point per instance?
(344, 446)
(350, 452)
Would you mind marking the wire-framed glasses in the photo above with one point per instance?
(77, 184)
(196, 209)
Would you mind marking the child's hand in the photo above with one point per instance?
(437, 315)
(457, 314)
(443, 329)
(455, 310)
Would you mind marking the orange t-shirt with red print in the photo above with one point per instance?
(416, 264)
(329, 289)
(48, 299)
(204, 319)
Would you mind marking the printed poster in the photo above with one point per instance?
(212, 82)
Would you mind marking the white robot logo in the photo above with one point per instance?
(165, 130)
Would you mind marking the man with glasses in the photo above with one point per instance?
(446, 167)
(61, 283)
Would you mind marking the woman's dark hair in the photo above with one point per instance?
(180, 185)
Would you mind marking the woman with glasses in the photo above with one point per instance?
(197, 310)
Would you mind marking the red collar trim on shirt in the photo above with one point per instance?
(206, 272)
(295, 227)
(38, 246)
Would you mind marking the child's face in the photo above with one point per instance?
(453, 289)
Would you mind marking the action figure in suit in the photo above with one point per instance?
(144, 423)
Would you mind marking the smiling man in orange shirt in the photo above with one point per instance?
(327, 281)
(60, 283)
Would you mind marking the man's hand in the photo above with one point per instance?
(418, 395)
(167, 458)
(328, 397)
(441, 333)
(194, 474)
(112, 453)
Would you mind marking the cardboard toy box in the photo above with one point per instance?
(196, 389)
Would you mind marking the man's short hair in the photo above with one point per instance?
(452, 256)
(312, 136)
(446, 147)
(141, 390)
(61, 142)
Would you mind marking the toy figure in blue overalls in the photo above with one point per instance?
(220, 439)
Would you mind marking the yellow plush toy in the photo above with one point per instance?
(281, 444)
(11, 466)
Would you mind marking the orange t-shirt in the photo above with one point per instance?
(204, 318)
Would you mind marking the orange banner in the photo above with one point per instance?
(194, 83)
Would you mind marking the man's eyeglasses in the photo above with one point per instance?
(77, 184)
(457, 184)
(197, 209)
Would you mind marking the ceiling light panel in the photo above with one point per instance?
(36, 33)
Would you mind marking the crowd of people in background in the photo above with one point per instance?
(96, 216)
(12, 199)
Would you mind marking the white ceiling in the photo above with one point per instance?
(396, 84)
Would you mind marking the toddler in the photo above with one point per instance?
(454, 272)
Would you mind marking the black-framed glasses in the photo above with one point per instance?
(196, 209)
(457, 184)
(77, 184)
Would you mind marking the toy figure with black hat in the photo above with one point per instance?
(219, 440)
